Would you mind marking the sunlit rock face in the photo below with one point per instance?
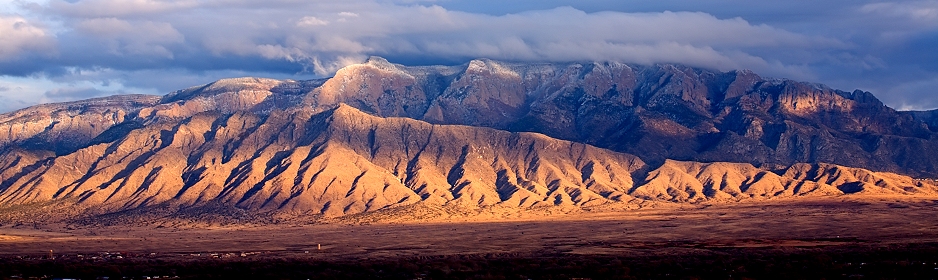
(482, 134)
(655, 112)
(64, 127)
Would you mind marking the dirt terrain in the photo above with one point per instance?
(785, 227)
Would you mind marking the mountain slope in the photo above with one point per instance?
(343, 161)
(380, 135)
(337, 162)
(930, 118)
(64, 127)
(654, 112)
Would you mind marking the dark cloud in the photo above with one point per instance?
(886, 47)
(911, 94)
(144, 35)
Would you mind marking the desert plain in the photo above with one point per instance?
(868, 237)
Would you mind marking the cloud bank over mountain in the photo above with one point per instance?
(55, 47)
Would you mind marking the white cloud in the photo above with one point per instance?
(19, 36)
(123, 37)
(75, 85)
(562, 34)
(900, 19)
(21, 92)
(918, 11)
(119, 8)
(311, 21)
(233, 29)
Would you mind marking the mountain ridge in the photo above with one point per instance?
(485, 134)
(343, 161)
(655, 112)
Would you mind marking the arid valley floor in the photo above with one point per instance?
(833, 237)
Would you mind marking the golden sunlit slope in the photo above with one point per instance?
(695, 182)
(343, 161)
(380, 135)
(338, 162)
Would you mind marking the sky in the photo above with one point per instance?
(63, 50)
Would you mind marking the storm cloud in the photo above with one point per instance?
(153, 46)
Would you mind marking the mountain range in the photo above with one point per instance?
(486, 133)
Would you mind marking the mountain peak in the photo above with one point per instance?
(380, 62)
(488, 66)
(373, 62)
(221, 86)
